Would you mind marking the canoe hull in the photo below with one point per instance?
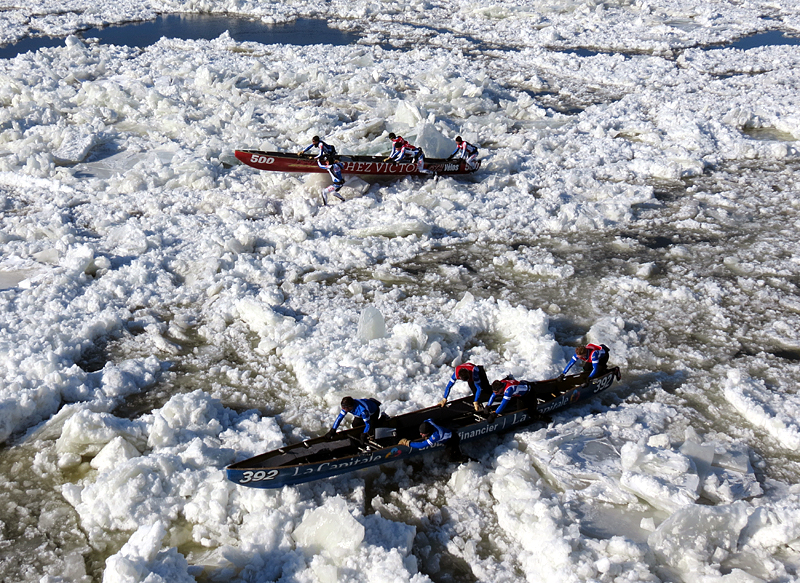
(275, 477)
(318, 458)
(353, 165)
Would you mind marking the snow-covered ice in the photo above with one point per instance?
(165, 311)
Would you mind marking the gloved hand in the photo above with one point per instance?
(562, 376)
(330, 435)
(405, 442)
(442, 403)
(492, 416)
(477, 406)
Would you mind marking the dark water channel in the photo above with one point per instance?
(303, 31)
(771, 38)
(763, 39)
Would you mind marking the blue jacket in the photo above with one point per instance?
(439, 435)
(512, 389)
(324, 149)
(596, 352)
(365, 408)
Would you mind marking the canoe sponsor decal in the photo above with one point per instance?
(603, 383)
(578, 394)
(378, 168)
(557, 403)
(259, 159)
(257, 476)
(443, 167)
(479, 431)
(261, 475)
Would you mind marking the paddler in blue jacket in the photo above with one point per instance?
(365, 411)
(433, 433)
(509, 389)
(324, 149)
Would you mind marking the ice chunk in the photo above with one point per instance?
(50, 256)
(140, 560)
(79, 259)
(666, 479)
(330, 529)
(116, 451)
(258, 316)
(432, 142)
(411, 334)
(371, 324)
(701, 455)
(357, 184)
(325, 572)
(274, 328)
(129, 376)
(87, 432)
(739, 576)
(687, 540)
(127, 240)
(408, 114)
(775, 413)
(75, 146)
(392, 230)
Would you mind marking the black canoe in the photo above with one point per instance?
(318, 458)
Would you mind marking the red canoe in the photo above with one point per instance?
(358, 165)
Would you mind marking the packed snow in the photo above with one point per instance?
(166, 311)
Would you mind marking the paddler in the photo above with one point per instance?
(324, 149)
(367, 412)
(465, 151)
(475, 376)
(402, 149)
(334, 168)
(508, 389)
(433, 433)
(594, 358)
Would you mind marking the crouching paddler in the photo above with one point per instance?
(509, 389)
(431, 434)
(367, 412)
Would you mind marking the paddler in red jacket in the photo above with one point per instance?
(402, 149)
(475, 376)
(594, 358)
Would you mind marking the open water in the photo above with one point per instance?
(301, 32)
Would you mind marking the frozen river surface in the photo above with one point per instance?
(165, 311)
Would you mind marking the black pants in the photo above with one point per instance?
(487, 389)
(452, 449)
